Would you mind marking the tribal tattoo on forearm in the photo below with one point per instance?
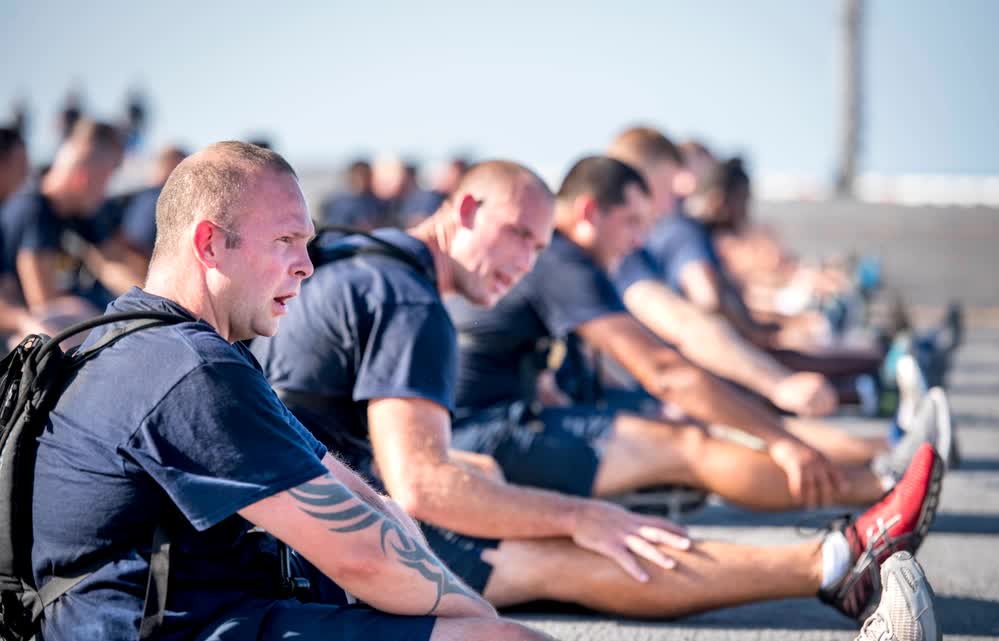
(329, 500)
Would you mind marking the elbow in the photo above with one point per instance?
(361, 566)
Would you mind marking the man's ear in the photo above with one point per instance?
(586, 209)
(468, 206)
(207, 240)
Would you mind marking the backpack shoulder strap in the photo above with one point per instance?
(381, 247)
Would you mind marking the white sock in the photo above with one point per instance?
(835, 558)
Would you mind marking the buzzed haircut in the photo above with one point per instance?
(602, 177)
(498, 170)
(10, 139)
(212, 183)
(643, 147)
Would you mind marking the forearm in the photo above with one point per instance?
(717, 347)
(713, 401)
(368, 554)
(449, 496)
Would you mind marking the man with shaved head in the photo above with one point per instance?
(173, 429)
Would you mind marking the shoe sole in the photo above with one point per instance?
(928, 512)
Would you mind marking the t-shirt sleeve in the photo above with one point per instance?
(411, 352)
(568, 294)
(638, 266)
(221, 440)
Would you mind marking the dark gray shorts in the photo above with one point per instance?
(556, 448)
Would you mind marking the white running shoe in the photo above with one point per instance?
(911, 389)
(906, 609)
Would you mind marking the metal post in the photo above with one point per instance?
(852, 113)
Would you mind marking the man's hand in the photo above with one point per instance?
(812, 479)
(620, 535)
(805, 394)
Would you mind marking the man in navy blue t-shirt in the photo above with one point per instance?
(50, 227)
(367, 363)
(176, 426)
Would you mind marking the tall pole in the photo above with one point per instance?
(851, 115)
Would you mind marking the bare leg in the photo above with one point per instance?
(837, 445)
(642, 453)
(710, 575)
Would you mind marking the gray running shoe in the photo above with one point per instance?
(931, 423)
(906, 609)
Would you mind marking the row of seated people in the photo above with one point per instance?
(426, 360)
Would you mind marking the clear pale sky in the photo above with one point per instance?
(541, 82)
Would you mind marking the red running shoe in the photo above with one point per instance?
(898, 522)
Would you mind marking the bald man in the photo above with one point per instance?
(368, 360)
(175, 427)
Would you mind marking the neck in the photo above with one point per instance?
(437, 233)
(189, 292)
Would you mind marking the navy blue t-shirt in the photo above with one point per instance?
(565, 289)
(170, 424)
(29, 222)
(138, 223)
(675, 242)
(364, 327)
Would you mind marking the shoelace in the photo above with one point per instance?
(875, 533)
(875, 629)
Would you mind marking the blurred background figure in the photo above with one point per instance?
(138, 217)
(13, 162)
(69, 114)
(357, 206)
(135, 121)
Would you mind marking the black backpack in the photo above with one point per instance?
(32, 377)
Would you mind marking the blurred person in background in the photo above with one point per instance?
(15, 319)
(421, 203)
(50, 228)
(707, 339)
(138, 222)
(69, 114)
(14, 165)
(357, 206)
